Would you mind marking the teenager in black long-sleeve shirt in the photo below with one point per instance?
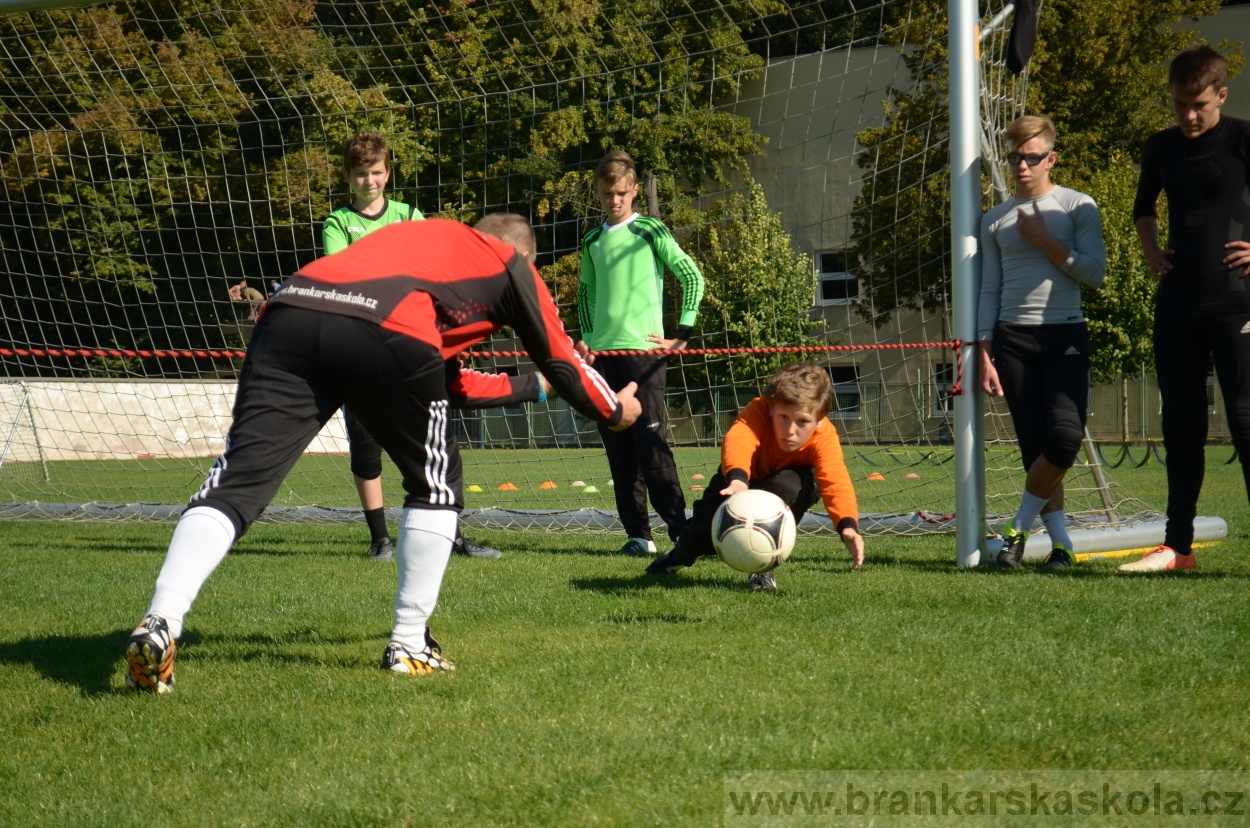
(1202, 309)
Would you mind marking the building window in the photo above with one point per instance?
(943, 381)
(836, 285)
(846, 394)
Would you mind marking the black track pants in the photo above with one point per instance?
(639, 456)
(1185, 347)
(301, 366)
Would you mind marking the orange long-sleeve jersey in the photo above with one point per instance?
(750, 451)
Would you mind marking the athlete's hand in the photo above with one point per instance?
(854, 543)
(1158, 261)
(1239, 257)
(631, 409)
(662, 344)
(583, 351)
(1032, 225)
(734, 487)
(990, 383)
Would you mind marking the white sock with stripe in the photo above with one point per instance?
(1056, 524)
(201, 540)
(1030, 507)
(422, 552)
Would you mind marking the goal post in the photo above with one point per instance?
(965, 174)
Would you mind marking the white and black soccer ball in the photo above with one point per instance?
(753, 531)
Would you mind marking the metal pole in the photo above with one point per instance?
(965, 162)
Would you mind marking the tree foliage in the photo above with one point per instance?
(1100, 71)
(155, 152)
(759, 290)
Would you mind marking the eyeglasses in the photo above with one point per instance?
(1031, 158)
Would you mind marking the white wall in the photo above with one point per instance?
(125, 420)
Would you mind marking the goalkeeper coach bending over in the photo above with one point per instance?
(371, 328)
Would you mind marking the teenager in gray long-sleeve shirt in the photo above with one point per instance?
(1037, 249)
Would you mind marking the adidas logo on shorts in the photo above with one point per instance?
(1072, 351)
(1245, 329)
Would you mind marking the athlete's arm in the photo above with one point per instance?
(692, 285)
(533, 315)
(586, 295)
(738, 448)
(1238, 257)
(990, 300)
(1158, 260)
(467, 388)
(333, 235)
(1145, 215)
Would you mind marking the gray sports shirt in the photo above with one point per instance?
(1019, 285)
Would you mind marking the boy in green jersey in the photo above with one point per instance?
(367, 170)
(620, 308)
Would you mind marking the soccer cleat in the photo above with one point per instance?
(638, 546)
(380, 550)
(150, 657)
(399, 659)
(1161, 560)
(1058, 560)
(671, 561)
(762, 582)
(466, 547)
(1012, 552)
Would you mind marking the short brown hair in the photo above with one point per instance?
(1026, 128)
(365, 149)
(509, 228)
(614, 166)
(804, 385)
(1197, 69)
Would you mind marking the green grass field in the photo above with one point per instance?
(588, 693)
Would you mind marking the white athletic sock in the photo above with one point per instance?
(1056, 524)
(1030, 507)
(201, 539)
(422, 552)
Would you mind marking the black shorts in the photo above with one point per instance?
(301, 366)
(1044, 371)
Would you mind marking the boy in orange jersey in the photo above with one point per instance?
(784, 443)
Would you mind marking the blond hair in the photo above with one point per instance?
(804, 385)
(615, 166)
(1026, 128)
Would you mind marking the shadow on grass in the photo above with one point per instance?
(87, 662)
(90, 662)
(621, 586)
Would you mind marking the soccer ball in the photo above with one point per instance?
(753, 531)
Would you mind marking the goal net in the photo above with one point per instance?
(156, 154)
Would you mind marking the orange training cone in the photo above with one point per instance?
(507, 487)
